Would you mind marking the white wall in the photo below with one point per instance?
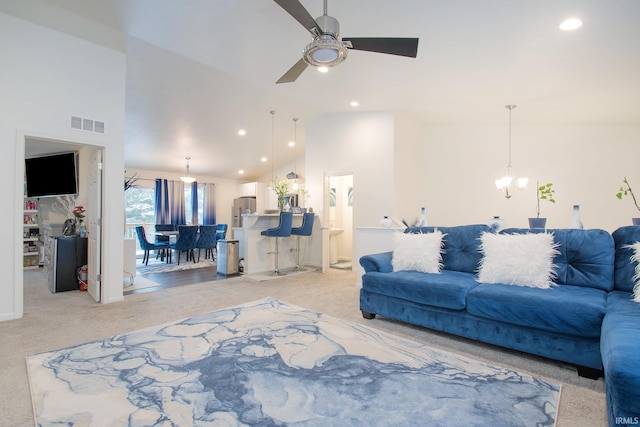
(585, 163)
(47, 76)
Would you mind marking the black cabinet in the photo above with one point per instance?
(68, 255)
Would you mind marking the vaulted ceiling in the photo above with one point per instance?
(200, 70)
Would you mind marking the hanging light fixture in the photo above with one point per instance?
(504, 184)
(294, 175)
(273, 142)
(187, 179)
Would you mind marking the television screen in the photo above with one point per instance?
(53, 175)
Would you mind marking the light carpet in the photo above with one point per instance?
(288, 272)
(271, 363)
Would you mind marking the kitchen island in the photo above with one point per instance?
(254, 248)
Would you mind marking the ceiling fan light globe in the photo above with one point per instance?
(325, 51)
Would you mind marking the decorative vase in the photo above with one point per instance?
(422, 222)
(82, 230)
(537, 222)
(385, 222)
(281, 203)
(635, 221)
(496, 224)
(575, 221)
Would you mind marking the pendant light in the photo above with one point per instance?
(505, 183)
(294, 175)
(273, 141)
(187, 179)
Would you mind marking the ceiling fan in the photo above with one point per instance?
(328, 49)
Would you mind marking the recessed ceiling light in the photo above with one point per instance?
(241, 172)
(571, 24)
(242, 132)
(263, 159)
(291, 144)
(323, 69)
(355, 103)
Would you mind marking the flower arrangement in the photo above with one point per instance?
(281, 186)
(627, 191)
(78, 212)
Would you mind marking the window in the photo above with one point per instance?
(139, 205)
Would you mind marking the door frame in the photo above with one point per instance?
(21, 138)
(326, 217)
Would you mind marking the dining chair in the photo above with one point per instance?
(206, 240)
(282, 230)
(167, 239)
(221, 231)
(147, 246)
(187, 237)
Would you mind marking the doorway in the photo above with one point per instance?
(88, 178)
(339, 220)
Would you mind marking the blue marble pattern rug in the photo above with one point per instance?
(268, 363)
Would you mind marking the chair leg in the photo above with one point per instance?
(145, 257)
(205, 254)
(193, 256)
(179, 256)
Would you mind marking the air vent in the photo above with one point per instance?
(87, 125)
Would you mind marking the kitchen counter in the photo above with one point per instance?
(254, 248)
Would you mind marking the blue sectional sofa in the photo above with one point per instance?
(587, 320)
(620, 343)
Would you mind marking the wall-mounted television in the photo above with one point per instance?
(52, 175)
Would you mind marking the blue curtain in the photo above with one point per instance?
(209, 216)
(169, 203)
(162, 202)
(194, 203)
(176, 202)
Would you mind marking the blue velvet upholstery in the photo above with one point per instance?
(566, 309)
(624, 268)
(306, 227)
(447, 289)
(284, 226)
(187, 236)
(461, 246)
(221, 231)
(206, 240)
(585, 259)
(561, 323)
(620, 348)
(147, 246)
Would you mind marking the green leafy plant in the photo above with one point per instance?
(626, 190)
(544, 192)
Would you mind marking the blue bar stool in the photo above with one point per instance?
(304, 230)
(282, 230)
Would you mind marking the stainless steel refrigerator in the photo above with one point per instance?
(242, 205)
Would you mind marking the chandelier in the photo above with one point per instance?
(505, 183)
(187, 179)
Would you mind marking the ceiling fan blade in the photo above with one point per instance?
(294, 72)
(295, 9)
(391, 45)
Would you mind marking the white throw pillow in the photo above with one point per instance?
(518, 259)
(636, 278)
(418, 251)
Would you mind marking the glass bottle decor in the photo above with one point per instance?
(385, 222)
(422, 222)
(575, 220)
(496, 224)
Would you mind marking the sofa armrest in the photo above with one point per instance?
(377, 262)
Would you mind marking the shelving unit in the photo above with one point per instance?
(31, 235)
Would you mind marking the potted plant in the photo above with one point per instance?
(543, 192)
(281, 186)
(626, 190)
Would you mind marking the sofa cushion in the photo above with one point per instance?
(518, 259)
(571, 310)
(625, 269)
(620, 349)
(586, 257)
(418, 251)
(461, 245)
(447, 289)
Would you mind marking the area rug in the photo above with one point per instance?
(157, 266)
(269, 363)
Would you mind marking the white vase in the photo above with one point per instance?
(385, 222)
(575, 220)
(422, 222)
(496, 224)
